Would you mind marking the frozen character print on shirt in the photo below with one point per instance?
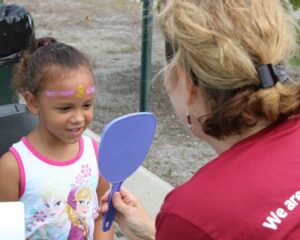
(78, 207)
(51, 217)
(54, 201)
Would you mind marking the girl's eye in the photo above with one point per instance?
(63, 109)
(88, 105)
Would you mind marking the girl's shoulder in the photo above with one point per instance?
(8, 162)
(90, 139)
(87, 140)
(9, 177)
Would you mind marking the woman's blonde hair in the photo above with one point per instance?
(221, 43)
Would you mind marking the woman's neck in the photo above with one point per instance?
(222, 145)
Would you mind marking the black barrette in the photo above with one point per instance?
(270, 74)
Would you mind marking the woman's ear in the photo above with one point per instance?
(191, 91)
(31, 102)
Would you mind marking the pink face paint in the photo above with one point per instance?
(59, 93)
(90, 90)
(65, 93)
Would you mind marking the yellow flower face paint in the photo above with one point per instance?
(80, 91)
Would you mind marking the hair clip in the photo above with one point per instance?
(45, 42)
(270, 74)
(42, 43)
(281, 73)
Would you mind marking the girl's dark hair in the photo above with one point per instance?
(41, 62)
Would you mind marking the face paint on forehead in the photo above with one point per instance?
(79, 92)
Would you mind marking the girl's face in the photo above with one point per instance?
(64, 117)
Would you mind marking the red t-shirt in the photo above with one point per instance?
(251, 191)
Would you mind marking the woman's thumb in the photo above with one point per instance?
(118, 202)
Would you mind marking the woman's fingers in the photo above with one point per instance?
(132, 217)
(119, 203)
(104, 202)
(121, 200)
(105, 195)
(104, 207)
(128, 197)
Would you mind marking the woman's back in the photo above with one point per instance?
(249, 192)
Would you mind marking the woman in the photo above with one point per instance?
(226, 79)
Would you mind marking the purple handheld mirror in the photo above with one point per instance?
(124, 145)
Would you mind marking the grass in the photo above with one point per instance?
(125, 4)
(295, 61)
(125, 50)
(169, 173)
(117, 5)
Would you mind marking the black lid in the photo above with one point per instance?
(16, 29)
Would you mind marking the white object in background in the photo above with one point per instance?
(12, 225)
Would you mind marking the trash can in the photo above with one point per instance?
(16, 34)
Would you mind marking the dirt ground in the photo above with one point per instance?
(109, 31)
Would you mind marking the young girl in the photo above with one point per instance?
(57, 83)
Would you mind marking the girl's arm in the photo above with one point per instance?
(103, 186)
(9, 178)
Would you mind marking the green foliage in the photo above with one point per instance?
(295, 61)
(295, 3)
(159, 6)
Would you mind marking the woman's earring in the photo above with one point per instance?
(189, 122)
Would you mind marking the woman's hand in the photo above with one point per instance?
(133, 219)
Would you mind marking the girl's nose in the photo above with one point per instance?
(77, 117)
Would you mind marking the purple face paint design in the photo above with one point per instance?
(80, 92)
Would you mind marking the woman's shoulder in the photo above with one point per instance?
(186, 193)
(187, 205)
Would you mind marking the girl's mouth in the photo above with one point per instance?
(75, 130)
